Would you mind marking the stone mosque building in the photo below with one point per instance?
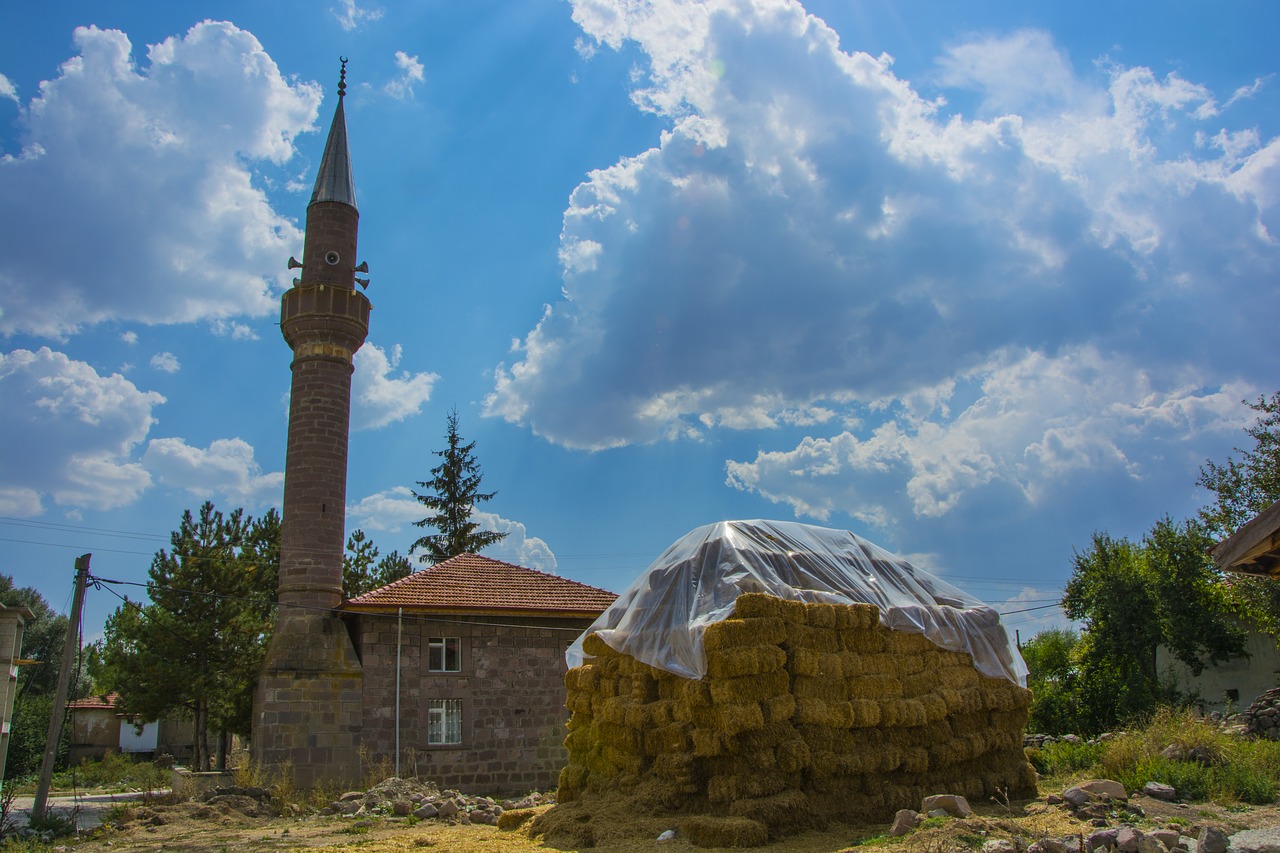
(454, 673)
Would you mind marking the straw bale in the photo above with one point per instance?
(805, 662)
(661, 740)
(818, 712)
(935, 708)
(578, 702)
(857, 616)
(766, 737)
(816, 639)
(759, 605)
(614, 710)
(726, 788)
(734, 633)
(874, 687)
(745, 660)
(958, 677)
(661, 712)
(706, 742)
(913, 664)
(827, 689)
(578, 741)
(866, 713)
(905, 643)
(696, 694)
(820, 615)
(573, 778)
(779, 708)
(863, 642)
(616, 736)
(792, 755)
(913, 713)
(638, 717)
(824, 762)
(787, 812)
(644, 687)
(708, 831)
(749, 688)
(595, 647)
(732, 719)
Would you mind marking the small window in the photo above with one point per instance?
(444, 654)
(444, 721)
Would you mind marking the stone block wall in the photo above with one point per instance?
(510, 685)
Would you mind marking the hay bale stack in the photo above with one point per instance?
(807, 712)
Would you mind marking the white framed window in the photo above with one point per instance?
(444, 721)
(444, 654)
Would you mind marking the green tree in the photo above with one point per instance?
(1244, 487)
(43, 639)
(1053, 682)
(362, 571)
(452, 494)
(1241, 489)
(1132, 598)
(197, 646)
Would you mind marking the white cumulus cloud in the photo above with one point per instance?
(395, 510)
(1025, 422)
(165, 362)
(813, 236)
(225, 469)
(382, 398)
(411, 74)
(350, 16)
(133, 197)
(72, 434)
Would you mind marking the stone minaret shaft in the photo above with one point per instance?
(307, 702)
(325, 320)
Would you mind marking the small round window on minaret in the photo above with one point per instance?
(332, 258)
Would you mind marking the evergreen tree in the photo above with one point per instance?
(362, 571)
(452, 494)
(196, 648)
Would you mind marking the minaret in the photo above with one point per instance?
(307, 710)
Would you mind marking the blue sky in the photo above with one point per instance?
(971, 280)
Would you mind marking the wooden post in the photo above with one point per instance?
(69, 650)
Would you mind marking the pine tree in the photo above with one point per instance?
(362, 571)
(452, 494)
(196, 648)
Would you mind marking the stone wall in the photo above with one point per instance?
(510, 685)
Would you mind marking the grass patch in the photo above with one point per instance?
(1227, 771)
(1060, 758)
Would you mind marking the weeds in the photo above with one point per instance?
(375, 770)
(1205, 763)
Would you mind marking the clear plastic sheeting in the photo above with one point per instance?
(660, 618)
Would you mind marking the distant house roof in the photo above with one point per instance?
(1254, 549)
(471, 584)
(95, 703)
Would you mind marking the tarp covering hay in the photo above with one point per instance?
(786, 674)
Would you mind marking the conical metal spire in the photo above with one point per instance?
(335, 182)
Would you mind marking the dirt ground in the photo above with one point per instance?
(244, 826)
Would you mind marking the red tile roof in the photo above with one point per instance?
(107, 702)
(469, 583)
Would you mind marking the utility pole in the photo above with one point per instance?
(69, 651)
